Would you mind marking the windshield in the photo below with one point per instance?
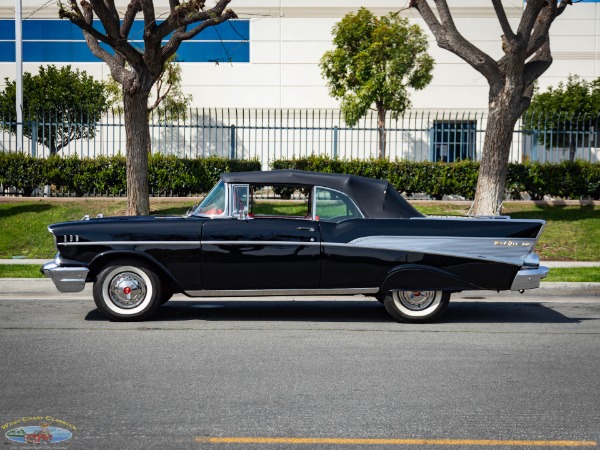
(214, 203)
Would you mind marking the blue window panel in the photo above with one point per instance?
(7, 30)
(232, 30)
(214, 52)
(7, 52)
(63, 30)
(50, 30)
(40, 44)
(66, 52)
(58, 52)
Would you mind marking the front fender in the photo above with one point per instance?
(102, 259)
(413, 277)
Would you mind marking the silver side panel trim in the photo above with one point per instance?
(529, 278)
(504, 250)
(269, 292)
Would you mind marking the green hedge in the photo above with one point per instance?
(569, 180)
(104, 175)
(169, 175)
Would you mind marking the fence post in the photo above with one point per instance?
(34, 139)
(232, 152)
(335, 142)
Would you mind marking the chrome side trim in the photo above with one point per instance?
(297, 243)
(66, 279)
(270, 292)
(528, 278)
(184, 243)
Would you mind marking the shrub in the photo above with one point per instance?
(569, 180)
(167, 175)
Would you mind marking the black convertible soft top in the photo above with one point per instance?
(377, 199)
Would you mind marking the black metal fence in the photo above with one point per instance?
(270, 134)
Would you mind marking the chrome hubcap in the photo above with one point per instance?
(127, 290)
(415, 300)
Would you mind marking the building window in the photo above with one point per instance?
(453, 140)
(59, 41)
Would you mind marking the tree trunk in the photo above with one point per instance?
(493, 169)
(137, 133)
(572, 149)
(381, 129)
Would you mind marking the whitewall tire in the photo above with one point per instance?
(416, 306)
(127, 291)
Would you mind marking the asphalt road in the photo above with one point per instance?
(513, 372)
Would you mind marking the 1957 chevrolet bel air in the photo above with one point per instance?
(348, 235)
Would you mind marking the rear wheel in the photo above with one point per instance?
(128, 291)
(416, 306)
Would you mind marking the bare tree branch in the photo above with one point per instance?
(529, 17)
(171, 47)
(109, 18)
(133, 9)
(188, 13)
(544, 21)
(448, 37)
(509, 35)
(535, 67)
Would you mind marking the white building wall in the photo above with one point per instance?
(288, 38)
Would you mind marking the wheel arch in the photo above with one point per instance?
(105, 258)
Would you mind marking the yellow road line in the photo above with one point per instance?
(353, 441)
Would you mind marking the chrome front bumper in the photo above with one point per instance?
(529, 278)
(66, 279)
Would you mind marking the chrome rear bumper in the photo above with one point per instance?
(66, 279)
(529, 278)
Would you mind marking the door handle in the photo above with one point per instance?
(305, 228)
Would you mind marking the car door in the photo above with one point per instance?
(260, 254)
(345, 265)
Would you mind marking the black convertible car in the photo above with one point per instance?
(345, 235)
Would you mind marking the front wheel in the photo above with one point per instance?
(128, 291)
(416, 306)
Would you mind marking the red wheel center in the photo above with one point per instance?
(127, 290)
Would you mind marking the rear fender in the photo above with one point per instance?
(416, 277)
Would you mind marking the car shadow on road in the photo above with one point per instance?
(367, 311)
(504, 312)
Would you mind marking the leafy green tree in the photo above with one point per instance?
(560, 115)
(59, 105)
(375, 62)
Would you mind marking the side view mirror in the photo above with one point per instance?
(243, 213)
